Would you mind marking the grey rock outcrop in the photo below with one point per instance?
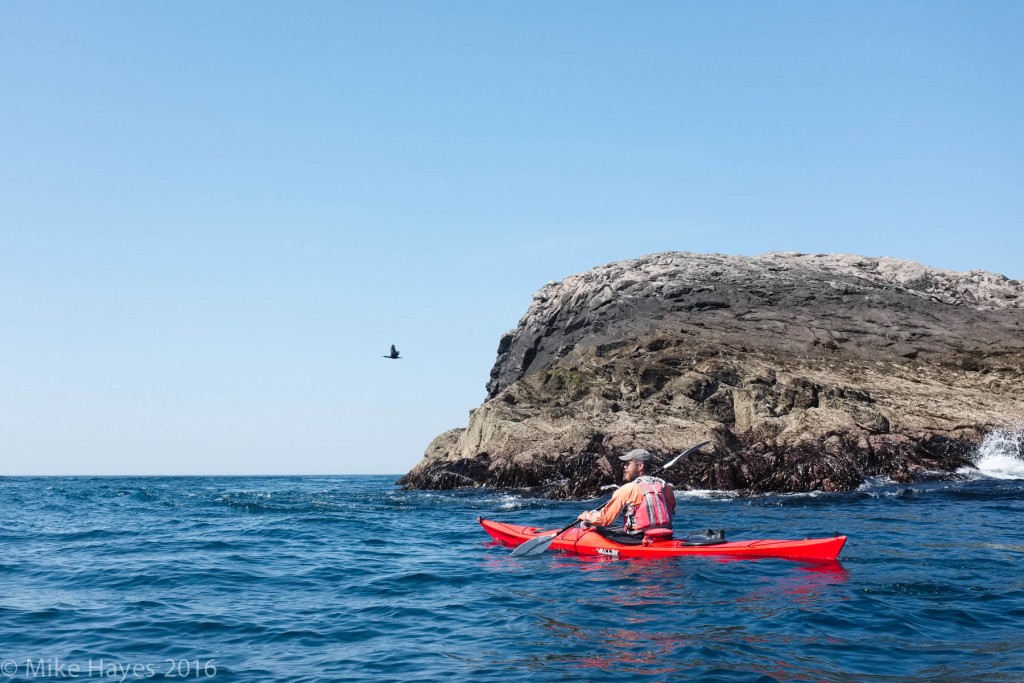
(809, 372)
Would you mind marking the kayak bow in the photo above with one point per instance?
(586, 541)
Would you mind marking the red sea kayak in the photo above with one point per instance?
(586, 541)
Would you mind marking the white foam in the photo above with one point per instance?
(875, 482)
(509, 502)
(706, 494)
(801, 494)
(1000, 456)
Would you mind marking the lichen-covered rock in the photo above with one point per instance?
(809, 372)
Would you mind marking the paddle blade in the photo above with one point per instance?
(535, 546)
(685, 453)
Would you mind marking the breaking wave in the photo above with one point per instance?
(1000, 456)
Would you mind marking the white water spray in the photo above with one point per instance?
(1000, 455)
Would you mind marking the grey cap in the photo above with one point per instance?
(638, 454)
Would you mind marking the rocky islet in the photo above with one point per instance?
(807, 372)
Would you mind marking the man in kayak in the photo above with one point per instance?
(645, 502)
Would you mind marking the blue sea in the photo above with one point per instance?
(351, 579)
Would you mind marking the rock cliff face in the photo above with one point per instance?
(808, 372)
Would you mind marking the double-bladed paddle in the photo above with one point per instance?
(538, 545)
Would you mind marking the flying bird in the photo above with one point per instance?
(394, 353)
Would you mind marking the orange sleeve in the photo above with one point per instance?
(606, 515)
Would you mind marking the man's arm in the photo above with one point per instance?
(611, 510)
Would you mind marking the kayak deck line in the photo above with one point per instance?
(584, 541)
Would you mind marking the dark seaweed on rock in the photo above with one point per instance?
(809, 372)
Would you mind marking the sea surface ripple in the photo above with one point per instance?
(352, 579)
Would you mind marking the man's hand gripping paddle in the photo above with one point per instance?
(540, 544)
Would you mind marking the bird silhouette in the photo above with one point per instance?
(394, 353)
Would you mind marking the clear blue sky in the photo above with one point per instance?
(215, 217)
